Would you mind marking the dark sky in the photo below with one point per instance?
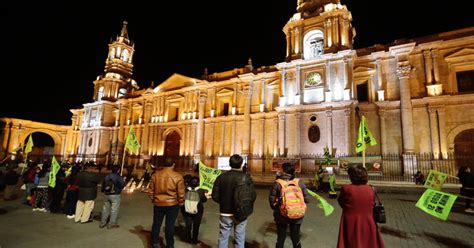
(51, 52)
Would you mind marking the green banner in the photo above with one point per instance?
(132, 143)
(435, 180)
(52, 174)
(436, 203)
(365, 136)
(29, 145)
(332, 183)
(328, 209)
(207, 176)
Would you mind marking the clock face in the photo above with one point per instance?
(313, 79)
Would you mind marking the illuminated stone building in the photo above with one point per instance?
(416, 95)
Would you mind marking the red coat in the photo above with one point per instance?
(357, 228)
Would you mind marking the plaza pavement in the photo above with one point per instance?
(407, 226)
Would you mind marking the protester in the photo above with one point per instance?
(419, 178)
(467, 186)
(357, 228)
(28, 178)
(11, 180)
(41, 193)
(276, 201)
(72, 183)
(193, 209)
(223, 193)
(166, 191)
(87, 193)
(58, 190)
(112, 187)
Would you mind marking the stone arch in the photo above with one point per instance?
(58, 144)
(170, 130)
(454, 132)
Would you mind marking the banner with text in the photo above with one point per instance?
(207, 176)
(436, 203)
(435, 180)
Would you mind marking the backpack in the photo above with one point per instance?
(292, 203)
(191, 201)
(244, 198)
(109, 186)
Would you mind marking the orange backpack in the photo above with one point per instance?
(292, 200)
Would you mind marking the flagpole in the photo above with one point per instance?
(123, 160)
(363, 158)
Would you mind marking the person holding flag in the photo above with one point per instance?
(131, 144)
(364, 139)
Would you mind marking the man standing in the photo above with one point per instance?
(87, 193)
(166, 191)
(112, 187)
(223, 193)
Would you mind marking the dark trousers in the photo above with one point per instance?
(58, 194)
(193, 221)
(467, 193)
(294, 234)
(71, 200)
(159, 213)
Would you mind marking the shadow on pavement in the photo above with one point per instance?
(143, 234)
(447, 241)
(394, 232)
(470, 225)
(255, 244)
(3, 211)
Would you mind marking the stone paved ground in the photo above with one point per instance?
(407, 226)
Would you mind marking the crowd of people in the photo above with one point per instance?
(76, 188)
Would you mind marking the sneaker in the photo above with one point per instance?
(35, 209)
(42, 209)
(469, 210)
(102, 225)
(113, 226)
(71, 216)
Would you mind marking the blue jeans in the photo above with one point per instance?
(226, 223)
(171, 213)
(111, 208)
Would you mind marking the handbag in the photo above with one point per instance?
(379, 210)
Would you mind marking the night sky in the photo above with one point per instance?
(52, 52)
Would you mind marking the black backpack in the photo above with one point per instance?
(244, 198)
(108, 186)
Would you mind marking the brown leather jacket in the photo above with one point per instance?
(166, 188)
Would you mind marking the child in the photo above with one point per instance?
(193, 221)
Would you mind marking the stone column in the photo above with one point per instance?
(328, 80)
(383, 130)
(146, 127)
(200, 125)
(222, 139)
(428, 67)
(434, 55)
(298, 96)
(297, 134)
(247, 122)
(434, 132)
(329, 128)
(347, 117)
(275, 137)
(262, 124)
(123, 121)
(403, 73)
(442, 132)
(288, 44)
(281, 133)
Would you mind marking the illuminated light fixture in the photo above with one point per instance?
(262, 107)
(183, 116)
(328, 96)
(380, 95)
(347, 95)
(140, 120)
(128, 122)
(213, 111)
(234, 110)
(161, 118)
(116, 123)
(434, 89)
(194, 115)
(189, 115)
(282, 101)
(297, 99)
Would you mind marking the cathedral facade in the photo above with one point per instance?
(417, 96)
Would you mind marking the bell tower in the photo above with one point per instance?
(318, 27)
(117, 80)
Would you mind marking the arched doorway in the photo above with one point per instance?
(43, 146)
(464, 148)
(172, 145)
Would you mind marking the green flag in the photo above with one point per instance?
(328, 209)
(52, 174)
(207, 176)
(435, 180)
(29, 145)
(436, 203)
(132, 143)
(332, 182)
(365, 136)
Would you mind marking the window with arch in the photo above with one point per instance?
(125, 55)
(122, 92)
(112, 53)
(100, 93)
(313, 44)
(117, 54)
